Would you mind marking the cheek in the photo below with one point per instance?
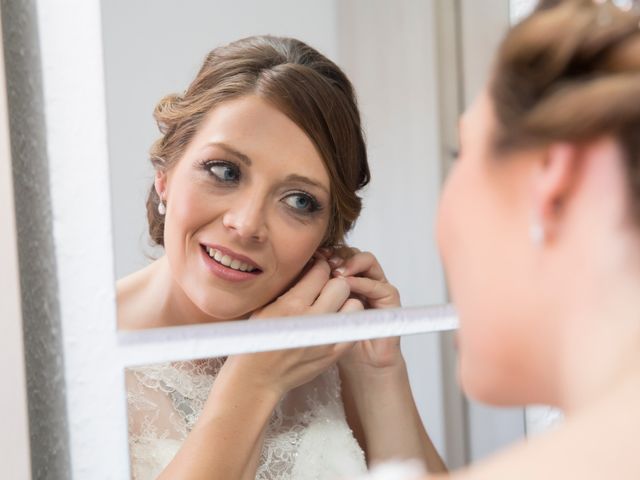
(470, 240)
(496, 358)
(446, 216)
(294, 244)
(460, 227)
(188, 210)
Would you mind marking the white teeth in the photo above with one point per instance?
(227, 261)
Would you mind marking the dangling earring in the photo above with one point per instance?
(537, 233)
(161, 208)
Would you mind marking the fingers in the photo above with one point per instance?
(340, 349)
(322, 356)
(332, 297)
(363, 264)
(378, 294)
(326, 252)
(307, 289)
(352, 305)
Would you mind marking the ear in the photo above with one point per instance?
(552, 187)
(160, 183)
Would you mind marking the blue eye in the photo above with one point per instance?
(224, 172)
(302, 202)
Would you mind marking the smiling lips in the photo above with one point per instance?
(226, 261)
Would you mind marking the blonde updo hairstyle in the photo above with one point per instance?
(571, 72)
(297, 80)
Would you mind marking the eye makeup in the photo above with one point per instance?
(222, 171)
(227, 173)
(302, 202)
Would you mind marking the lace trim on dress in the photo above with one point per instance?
(165, 401)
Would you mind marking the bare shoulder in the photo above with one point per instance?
(599, 442)
(132, 293)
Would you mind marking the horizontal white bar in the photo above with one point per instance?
(145, 347)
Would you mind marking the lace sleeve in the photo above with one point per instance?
(164, 402)
(153, 440)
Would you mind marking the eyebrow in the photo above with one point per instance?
(231, 151)
(302, 179)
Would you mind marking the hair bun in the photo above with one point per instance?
(167, 113)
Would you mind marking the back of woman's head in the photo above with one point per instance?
(571, 72)
(296, 79)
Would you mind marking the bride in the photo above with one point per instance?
(539, 230)
(257, 173)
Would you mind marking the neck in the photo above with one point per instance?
(601, 341)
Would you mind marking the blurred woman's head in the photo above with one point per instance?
(540, 214)
(259, 164)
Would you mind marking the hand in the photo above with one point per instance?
(282, 370)
(315, 293)
(365, 277)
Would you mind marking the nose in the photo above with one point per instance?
(245, 217)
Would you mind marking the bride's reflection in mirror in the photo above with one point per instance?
(257, 177)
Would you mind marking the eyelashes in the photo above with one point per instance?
(228, 174)
(303, 202)
(222, 171)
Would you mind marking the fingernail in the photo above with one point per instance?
(336, 261)
(339, 271)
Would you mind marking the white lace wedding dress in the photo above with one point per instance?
(307, 437)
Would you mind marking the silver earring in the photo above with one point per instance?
(537, 233)
(161, 208)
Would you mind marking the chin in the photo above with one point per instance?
(226, 311)
(224, 307)
(486, 385)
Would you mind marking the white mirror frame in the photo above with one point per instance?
(95, 354)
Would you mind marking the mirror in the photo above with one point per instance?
(148, 54)
(319, 429)
(409, 107)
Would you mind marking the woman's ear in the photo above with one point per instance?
(160, 183)
(552, 187)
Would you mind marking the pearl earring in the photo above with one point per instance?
(161, 208)
(537, 233)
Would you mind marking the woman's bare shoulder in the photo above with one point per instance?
(598, 442)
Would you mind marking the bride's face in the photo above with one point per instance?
(483, 235)
(247, 206)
